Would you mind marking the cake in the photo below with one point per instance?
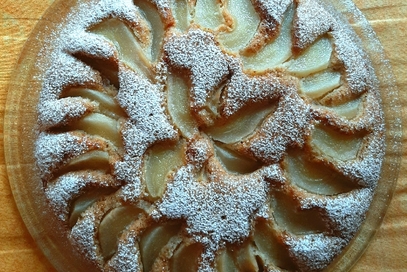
(208, 135)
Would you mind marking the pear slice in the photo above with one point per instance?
(224, 262)
(126, 44)
(154, 241)
(316, 58)
(235, 162)
(85, 201)
(185, 258)
(107, 68)
(336, 145)
(288, 216)
(241, 125)
(245, 23)
(107, 104)
(153, 18)
(320, 84)
(112, 226)
(245, 258)
(208, 14)
(181, 14)
(213, 102)
(159, 162)
(270, 249)
(315, 177)
(178, 105)
(348, 110)
(93, 160)
(100, 125)
(275, 53)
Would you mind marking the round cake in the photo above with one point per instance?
(233, 135)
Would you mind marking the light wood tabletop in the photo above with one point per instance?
(387, 251)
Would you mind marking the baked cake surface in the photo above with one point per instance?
(203, 135)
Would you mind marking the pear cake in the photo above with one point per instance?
(207, 135)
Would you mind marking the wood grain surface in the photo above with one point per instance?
(388, 250)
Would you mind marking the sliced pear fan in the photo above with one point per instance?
(336, 145)
(159, 162)
(320, 84)
(85, 201)
(208, 14)
(245, 23)
(274, 53)
(112, 226)
(315, 177)
(235, 162)
(107, 105)
(288, 216)
(178, 106)
(154, 241)
(181, 14)
(316, 58)
(126, 44)
(240, 126)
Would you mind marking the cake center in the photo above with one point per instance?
(237, 128)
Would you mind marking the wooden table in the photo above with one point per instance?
(387, 252)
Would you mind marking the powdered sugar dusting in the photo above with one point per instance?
(360, 74)
(147, 122)
(311, 21)
(192, 192)
(366, 170)
(242, 90)
(129, 171)
(287, 127)
(61, 112)
(314, 19)
(345, 212)
(314, 252)
(83, 236)
(198, 53)
(128, 256)
(225, 221)
(53, 150)
(273, 10)
(366, 119)
(85, 233)
(63, 72)
(196, 187)
(92, 44)
(66, 188)
(217, 206)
